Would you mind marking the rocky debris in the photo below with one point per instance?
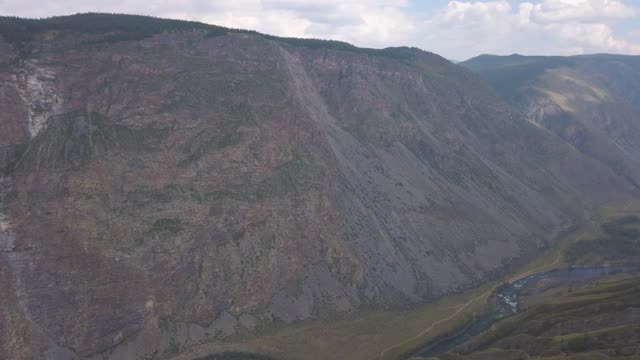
(36, 87)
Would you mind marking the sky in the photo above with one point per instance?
(455, 29)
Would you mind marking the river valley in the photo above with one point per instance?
(506, 300)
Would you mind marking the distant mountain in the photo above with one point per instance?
(591, 101)
(167, 183)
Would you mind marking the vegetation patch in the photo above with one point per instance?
(147, 195)
(203, 144)
(572, 322)
(119, 27)
(506, 73)
(232, 355)
(620, 243)
(168, 225)
(113, 27)
(238, 195)
(73, 139)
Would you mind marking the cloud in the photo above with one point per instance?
(635, 34)
(554, 11)
(366, 23)
(595, 37)
(548, 26)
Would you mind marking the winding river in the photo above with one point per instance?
(506, 300)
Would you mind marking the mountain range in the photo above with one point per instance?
(168, 182)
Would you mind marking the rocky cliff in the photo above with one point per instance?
(166, 182)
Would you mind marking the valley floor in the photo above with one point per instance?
(599, 319)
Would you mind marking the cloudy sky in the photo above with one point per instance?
(455, 29)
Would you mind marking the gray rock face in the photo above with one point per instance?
(190, 187)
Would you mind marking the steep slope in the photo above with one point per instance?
(590, 101)
(169, 182)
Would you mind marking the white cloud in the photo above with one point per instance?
(547, 26)
(598, 37)
(366, 23)
(635, 34)
(553, 11)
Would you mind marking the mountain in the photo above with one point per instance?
(591, 101)
(167, 183)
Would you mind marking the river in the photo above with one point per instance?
(506, 300)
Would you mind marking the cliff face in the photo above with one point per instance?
(200, 183)
(589, 101)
